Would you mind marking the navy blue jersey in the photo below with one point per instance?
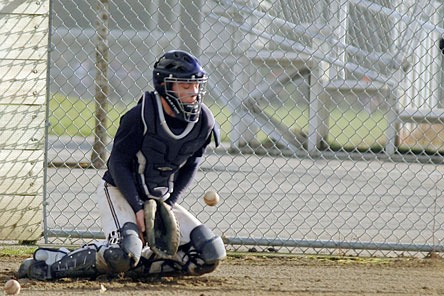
(149, 160)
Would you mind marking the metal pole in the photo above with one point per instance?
(98, 156)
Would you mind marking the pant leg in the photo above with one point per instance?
(114, 210)
(120, 228)
(187, 222)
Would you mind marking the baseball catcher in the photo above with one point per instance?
(156, 153)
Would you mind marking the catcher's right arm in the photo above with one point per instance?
(162, 229)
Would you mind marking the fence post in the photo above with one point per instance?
(98, 156)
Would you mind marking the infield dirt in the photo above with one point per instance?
(263, 275)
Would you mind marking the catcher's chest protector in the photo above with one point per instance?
(161, 154)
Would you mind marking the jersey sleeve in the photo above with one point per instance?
(127, 143)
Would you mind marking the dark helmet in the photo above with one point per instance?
(178, 66)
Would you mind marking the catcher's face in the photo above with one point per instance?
(186, 92)
(184, 97)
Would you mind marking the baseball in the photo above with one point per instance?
(211, 198)
(12, 287)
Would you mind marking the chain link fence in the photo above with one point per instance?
(331, 116)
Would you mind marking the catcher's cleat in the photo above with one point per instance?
(35, 269)
(156, 267)
(24, 267)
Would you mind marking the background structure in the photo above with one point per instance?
(23, 64)
(331, 116)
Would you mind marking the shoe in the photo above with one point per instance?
(34, 269)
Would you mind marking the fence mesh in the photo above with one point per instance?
(330, 114)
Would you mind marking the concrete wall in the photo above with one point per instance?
(23, 64)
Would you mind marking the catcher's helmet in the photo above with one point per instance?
(178, 66)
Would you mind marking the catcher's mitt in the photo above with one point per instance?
(162, 229)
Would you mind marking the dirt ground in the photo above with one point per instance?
(263, 275)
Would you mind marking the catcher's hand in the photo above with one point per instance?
(162, 231)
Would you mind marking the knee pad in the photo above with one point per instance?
(127, 254)
(116, 260)
(210, 246)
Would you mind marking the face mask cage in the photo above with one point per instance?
(179, 100)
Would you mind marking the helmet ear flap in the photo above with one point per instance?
(159, 86)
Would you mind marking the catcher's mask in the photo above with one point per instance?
(178, 66)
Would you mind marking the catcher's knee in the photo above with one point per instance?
(210, 246)
(207, 251)
(126, 254)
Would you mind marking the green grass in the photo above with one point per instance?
(349, 129)
(222, 116)
(352, 129)
(295, 117)
(15, 250)
(74, 117)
